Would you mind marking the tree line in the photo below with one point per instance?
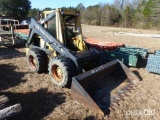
(17, 9)
(124, 13)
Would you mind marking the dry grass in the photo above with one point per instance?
(110, 34)
(41, 99)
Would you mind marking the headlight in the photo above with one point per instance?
(77, 14)
(62, 12)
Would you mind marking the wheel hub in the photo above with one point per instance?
(57, 73)
(32, 61)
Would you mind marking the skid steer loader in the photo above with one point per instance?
(56, 43)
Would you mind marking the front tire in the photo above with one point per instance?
(61, 71)
(37, 60)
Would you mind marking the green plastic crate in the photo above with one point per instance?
(125, 58)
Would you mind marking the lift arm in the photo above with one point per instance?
(77, 58)
(48, 17)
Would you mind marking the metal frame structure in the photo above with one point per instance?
(8, 22)
(77, 58)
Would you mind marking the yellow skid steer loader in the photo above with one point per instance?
(56, 44)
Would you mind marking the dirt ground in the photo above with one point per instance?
(42, 100)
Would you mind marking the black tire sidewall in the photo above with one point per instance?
(31, 52)
(65, 78)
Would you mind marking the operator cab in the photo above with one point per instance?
(65, 26)
(70, 31)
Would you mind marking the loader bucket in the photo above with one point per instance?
(102, 87)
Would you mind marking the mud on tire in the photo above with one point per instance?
(61, 71)
(37, 60)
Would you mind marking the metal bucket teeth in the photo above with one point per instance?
(130, 89)
(117, 98)
(113, 104)
(104, 87)
(133, 87)
(111, 108)
(123, 95)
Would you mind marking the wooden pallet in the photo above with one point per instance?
(8, 111)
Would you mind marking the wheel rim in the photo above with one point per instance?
(57, 73)
(32, 61)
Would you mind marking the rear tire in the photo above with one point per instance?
(61, 71)
(37, 60)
